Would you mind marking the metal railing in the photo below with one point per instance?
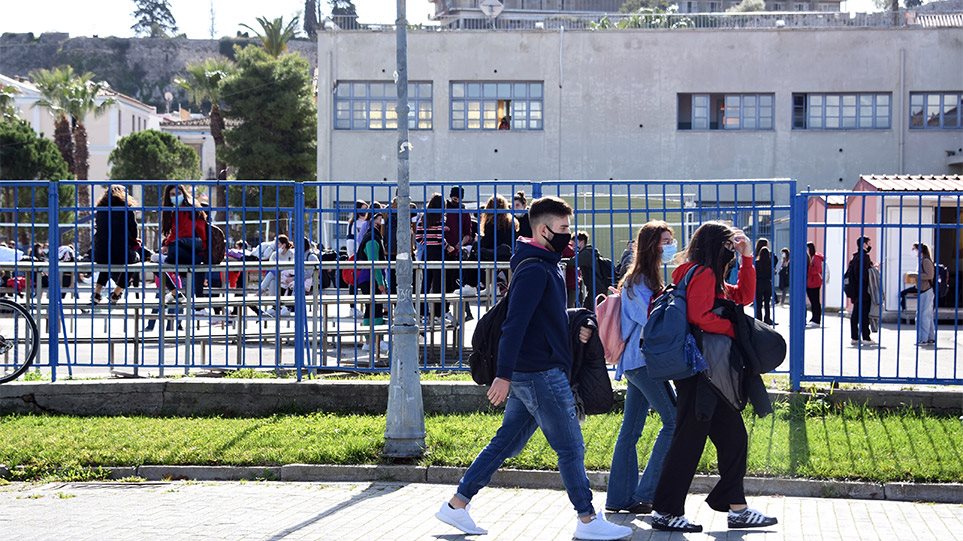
(894, 223)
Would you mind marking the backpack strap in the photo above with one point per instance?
(681, 286)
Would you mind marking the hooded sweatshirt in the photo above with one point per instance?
(535, 335)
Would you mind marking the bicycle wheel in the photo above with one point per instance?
(19, 340)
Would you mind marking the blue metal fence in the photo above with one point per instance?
(899, 350)
(326, 304)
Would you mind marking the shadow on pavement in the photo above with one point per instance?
(373, 491)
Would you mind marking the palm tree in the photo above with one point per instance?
(205, 82)
(83, 97)
(275, 35)
(54, 85)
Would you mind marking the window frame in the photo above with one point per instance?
(378, 99)
(474, 105)
(842, 111)
(755, 111)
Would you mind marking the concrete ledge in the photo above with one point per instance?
(264, 397)
(533, 479)
(924, 492)
(209, 473)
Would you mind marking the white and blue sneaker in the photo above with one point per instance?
(459, 518)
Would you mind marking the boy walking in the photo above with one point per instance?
(534, 360)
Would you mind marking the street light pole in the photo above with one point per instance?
(405, 430)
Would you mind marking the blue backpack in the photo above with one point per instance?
(666, 334)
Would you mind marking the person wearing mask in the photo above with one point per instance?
(764, 267)
(184, 227)
(857, 290)
(357, 222)
(713, 248)
(534, 359)
(372, 248)
(283, 254)
(814, 284)
(520, 205)
(627, 491)
(926, 303)
(782, 270)
(115, 240)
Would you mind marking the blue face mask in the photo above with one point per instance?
(177, 200)
(669, 251)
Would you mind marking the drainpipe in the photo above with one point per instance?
(902, 111)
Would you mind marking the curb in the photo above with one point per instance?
(531, 479)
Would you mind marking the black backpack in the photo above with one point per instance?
(483, 360)
(942, 285)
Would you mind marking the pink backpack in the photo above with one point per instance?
(608, 312)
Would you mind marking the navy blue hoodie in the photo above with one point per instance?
(535, 334)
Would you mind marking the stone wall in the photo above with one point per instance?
(144, 68)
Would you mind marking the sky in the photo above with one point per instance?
(113, 17)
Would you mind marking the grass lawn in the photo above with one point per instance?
(810, 440)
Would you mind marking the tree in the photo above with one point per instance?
(205, 83)
(275, 35)
(84, 98)
(344, 14)
(54, 85)
(153, 155)
(276, 134)
(24, 155)
(8, 109)
(746, 6)
(154, 18)
(311, 25)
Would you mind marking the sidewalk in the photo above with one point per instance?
(388, 511)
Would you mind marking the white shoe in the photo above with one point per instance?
(812, 324)
(155, 257)
(270, 312)
(460, 519)
(285, 311)
(173, 297)
(366, 348)
(469, 291)
(354, 313)
(601, 529)
(450, 320)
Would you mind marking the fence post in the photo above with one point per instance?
(797, 290)
(300, 257)
(53, 270)
(537, 189)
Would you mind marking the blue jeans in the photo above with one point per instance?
(926, 316)
(184, 251)
(536, 400)
(626, 488)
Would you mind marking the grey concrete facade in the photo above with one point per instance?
(611, 103)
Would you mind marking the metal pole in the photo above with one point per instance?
(405, 430)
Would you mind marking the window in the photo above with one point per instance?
(800, 7)
(934, 111)
(841, 111)
(497, 105)
(361, 105)
(777, 6)
(725, 111)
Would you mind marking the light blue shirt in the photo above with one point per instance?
(635, 313)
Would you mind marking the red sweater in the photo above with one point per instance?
(814, 275)
(187, 225)
(701, 295)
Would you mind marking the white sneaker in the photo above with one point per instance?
(469, 291)
(460, 519)
(812, 324)
(450, 320)
(601, 529)
(354, 313)
(173, 297)
(285, 311)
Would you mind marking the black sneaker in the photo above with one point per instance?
(641, 508)
(672, 523)
(750, 518)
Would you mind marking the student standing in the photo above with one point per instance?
(857, 290)
(627, 491)
(714, 248)
(814, 284)
(764, 267)
(534, 358)
(926, 303)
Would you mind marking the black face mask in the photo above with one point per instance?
(559, 241)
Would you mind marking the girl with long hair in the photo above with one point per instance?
(764, 271)
(713, 249)
(627, 491)
(115, 240)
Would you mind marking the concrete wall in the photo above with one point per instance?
(611, 103)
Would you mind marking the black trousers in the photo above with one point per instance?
(763, 304)
(860, 319)
(814, 304)
(728, 433)
(120, 278)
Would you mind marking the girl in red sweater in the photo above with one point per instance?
(184, 228)
(714, 247)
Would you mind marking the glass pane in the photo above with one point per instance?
(505, 91)
(933, 111)
(343, 90)
(458, 90)
(342, 124)
(866, 121)
(700, 123)
(535, 90)
(474, 90)
(749, 101)
(377, 90)
(815, 121)
(390, 91)
(519, 90)
(849, 122)
(749, 123)
(424, 90)
(491, 90)
(816, 100)
(882, 99)
(849, 100)
(535, 125)
(832, 100)
(765, 100)
(457, 124)
(765, 123)
(832, 122)
(359, 90)
(865, 100)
